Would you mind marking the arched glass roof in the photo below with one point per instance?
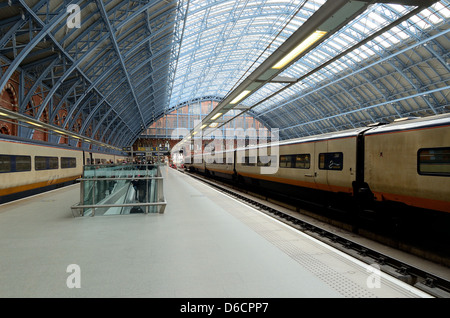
(369, 71)
(401, 72)
(130, 62)
(224, 40)
(104, 67)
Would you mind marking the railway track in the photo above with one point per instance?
(424, 280)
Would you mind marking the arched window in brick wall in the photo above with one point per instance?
(8, 101)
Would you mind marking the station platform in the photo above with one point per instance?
(205, 245)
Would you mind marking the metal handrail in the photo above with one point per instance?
(120, 178)
(159, 195)
(118, 205)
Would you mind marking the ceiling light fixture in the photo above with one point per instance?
(217, 116)
(34, 124)
(240, 97)
(308, 42)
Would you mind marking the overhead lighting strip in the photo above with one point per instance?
(240, 97)
(22, 119)
(216, 116)
(302, 47)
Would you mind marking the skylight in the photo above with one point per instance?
(223, 43)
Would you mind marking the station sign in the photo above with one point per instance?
(146, 149)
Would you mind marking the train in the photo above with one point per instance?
(28, 168)
(404, 163)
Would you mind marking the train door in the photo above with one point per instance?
(320, 174)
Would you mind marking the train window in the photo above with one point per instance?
(434, 161)
(5, 163)
(248, 161)
(53, 162)
(266, 161)
(23, 163)
(40, 163)
(45, 163)
(263, 161)
(331, 161)
(68, 163)
(209, 159)
(303, 161)
(286, 161)
(10, 163)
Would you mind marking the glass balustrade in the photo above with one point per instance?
(120, 189)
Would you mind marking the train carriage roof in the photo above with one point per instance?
(402, 124)
(412, 124)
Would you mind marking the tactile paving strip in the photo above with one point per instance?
(305, 253)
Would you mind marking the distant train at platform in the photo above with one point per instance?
(405, 163)
(27, 168)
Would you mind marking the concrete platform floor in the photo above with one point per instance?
(205, 245)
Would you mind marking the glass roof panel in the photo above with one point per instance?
(225, 41)
(243, 32)
(366, 24)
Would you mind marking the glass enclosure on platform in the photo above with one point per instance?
(120, 189)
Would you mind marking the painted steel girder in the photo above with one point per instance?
(132, 72)
(102, 102)
(116, 64)
(54, 90)
(367, 67)
(45, 31)
(112, 36)
(118, 85)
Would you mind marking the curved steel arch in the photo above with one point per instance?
(387, 57)
(133, 61)
(231, 13)
(132, 29)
